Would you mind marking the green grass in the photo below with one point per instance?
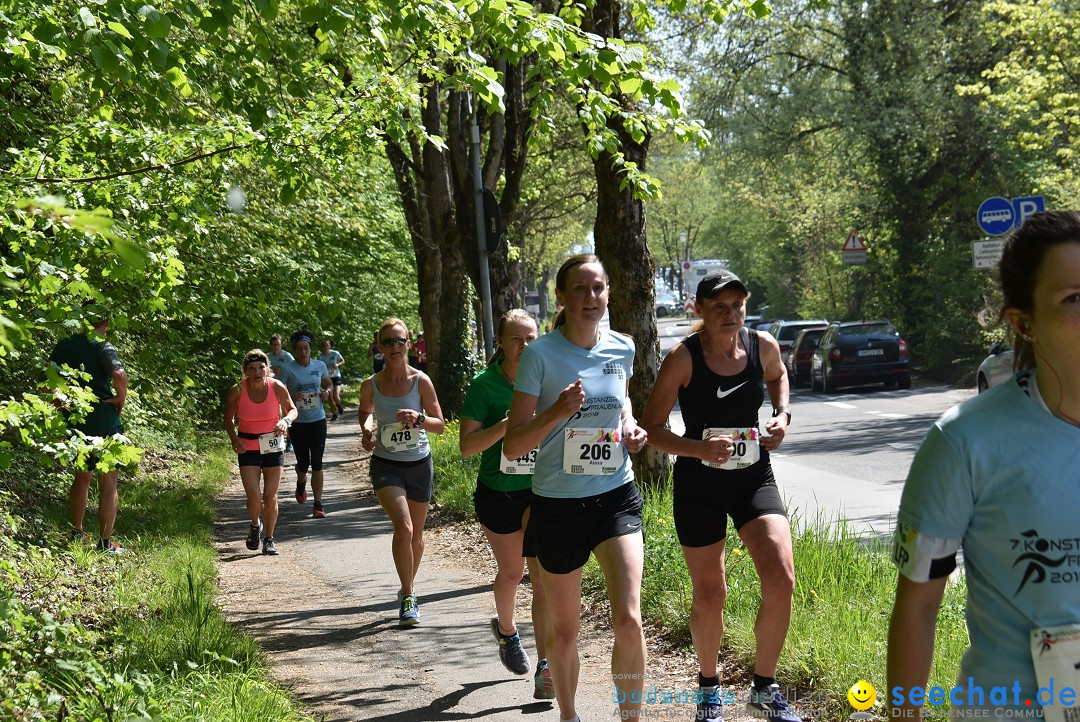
(843, 597)
(136, 636)
(455, 478)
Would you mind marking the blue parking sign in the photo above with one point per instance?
(1023, 208)
(996, 216)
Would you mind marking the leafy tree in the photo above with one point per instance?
(1032, 92)
(848, 117)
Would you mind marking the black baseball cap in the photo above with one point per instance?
(716, 281)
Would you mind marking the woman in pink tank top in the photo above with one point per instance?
(257, 403)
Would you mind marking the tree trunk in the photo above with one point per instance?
(424, 184)
(621, 244)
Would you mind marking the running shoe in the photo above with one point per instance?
(269, 547)
(341, 409)
(79, 535)
(334, 417)
(301, 493)
(288, 446)
(542, 686)
(770, 703)
(513, 655)
(108, 546)
(410, 612)
(709, 709)
(253, 537)
(318, 512)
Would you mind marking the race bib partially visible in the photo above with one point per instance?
(1055, 652)
(308, 402)
(592, 451)
(521, 465)
(271, 443)
(746, 451)
(396, 437)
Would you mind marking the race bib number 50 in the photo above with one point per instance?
(396, 437)
(271, 443)
(592, 451)
(746, 451)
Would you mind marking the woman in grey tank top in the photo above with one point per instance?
(402, 403)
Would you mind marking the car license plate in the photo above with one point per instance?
(871, 352)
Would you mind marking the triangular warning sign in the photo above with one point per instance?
(854, 243)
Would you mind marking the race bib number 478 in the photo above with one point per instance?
(396, 437)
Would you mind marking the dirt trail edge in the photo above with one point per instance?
(325, 612)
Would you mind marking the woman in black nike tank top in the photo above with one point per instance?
(723, 469)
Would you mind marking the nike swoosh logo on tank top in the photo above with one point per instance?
(720, 393)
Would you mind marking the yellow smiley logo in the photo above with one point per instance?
(862, 695)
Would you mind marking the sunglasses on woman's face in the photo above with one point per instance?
(394, 341)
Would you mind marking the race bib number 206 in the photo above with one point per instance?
(592, 451)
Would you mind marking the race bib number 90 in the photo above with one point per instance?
(271, 443)
(746, 451)
(592, 451)
(521, 465)
(396, 437)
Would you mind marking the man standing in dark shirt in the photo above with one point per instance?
(98, 358)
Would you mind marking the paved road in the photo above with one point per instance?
(846, 454)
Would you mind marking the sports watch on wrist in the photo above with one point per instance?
(782, 410)
(420, 419)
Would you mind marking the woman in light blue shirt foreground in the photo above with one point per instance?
(570, 399)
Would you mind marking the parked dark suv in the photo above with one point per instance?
(860, 352)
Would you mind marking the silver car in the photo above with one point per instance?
(666, 304)
(997, 368)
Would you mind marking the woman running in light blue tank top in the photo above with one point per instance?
(570, 398)
(405, 409)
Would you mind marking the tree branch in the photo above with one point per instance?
(136, 171)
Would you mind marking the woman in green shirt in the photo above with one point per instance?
(504, 493)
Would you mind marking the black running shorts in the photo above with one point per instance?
(501, 512)
(704, 498)
(567, 530)
(254, 458)
(417, 478)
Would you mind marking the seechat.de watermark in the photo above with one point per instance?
(975, 701)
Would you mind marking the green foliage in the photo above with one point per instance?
(455, 477)
(93, 637)
(872, 117)
(1031, 90)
